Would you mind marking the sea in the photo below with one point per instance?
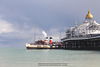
(21, 57)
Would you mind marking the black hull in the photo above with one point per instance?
(36, 48)
(83, 44)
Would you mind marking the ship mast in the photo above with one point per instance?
(60, 37)
(34, 34)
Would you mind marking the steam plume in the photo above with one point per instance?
(44, 33)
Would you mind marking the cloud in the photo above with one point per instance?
(57, 33)
(47, 15)
(5, 27)
(25, 18)
(18, 36)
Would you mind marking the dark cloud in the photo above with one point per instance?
(46, 15)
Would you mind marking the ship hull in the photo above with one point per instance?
(32, 46)
(38, 47)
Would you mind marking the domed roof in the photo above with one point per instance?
(76, 23)
(89, 15)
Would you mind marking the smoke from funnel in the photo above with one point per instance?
(44, 33)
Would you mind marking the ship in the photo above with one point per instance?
(40, 44)
(85, 36)
(45, 44)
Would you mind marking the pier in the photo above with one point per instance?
(83, 37)
(90, 44)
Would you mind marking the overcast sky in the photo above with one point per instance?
(19, 18)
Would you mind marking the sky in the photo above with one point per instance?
(20, 18)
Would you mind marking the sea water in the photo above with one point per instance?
(21, 57)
